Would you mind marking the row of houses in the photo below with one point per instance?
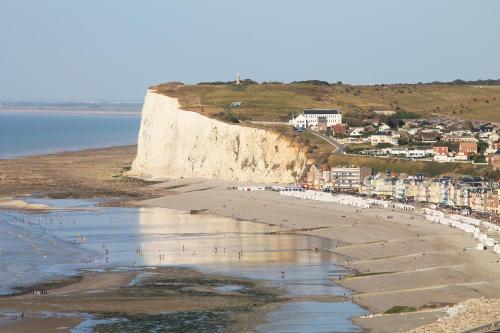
(463, 193)
(437, 152)
(465, 150)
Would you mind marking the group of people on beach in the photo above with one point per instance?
(39, 291)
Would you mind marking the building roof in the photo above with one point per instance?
(468, 145)
(322, 111)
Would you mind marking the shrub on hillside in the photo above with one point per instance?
(313, 82)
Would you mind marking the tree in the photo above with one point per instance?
(403, 141)
(313, 82)
(452, 146)
(478, 158)
(384, 145)
(482, 146)
(469, 125)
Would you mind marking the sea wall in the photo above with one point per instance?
(176, 143)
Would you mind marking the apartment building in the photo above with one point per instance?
(348, 178)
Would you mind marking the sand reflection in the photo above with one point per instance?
(172, 238)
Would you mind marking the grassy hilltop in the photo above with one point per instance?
(273, 102)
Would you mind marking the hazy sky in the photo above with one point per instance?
(57, 50)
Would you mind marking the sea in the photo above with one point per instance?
(80, 235)
(44, 131)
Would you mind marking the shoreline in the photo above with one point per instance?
(261, 313)
(91, 173)
(401, 261)
(48, 153)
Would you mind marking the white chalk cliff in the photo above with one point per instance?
(175, 143)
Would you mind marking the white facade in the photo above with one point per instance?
(357, 131)
(383, 138)
(353, 140)
(443, 158)
(298, 121)
(384, 128)
(310, 118)
(331, 119)
(349, 178)
(411, 153)
(419, 153)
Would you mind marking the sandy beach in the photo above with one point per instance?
(403, 260)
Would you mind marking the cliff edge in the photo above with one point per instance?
(175, 143)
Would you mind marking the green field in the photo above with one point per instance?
(273, 102)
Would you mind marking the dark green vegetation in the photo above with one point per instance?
(362, 274)
(197, 321)
(458, 82)
(401, 309)
(379, 164)
(220, 317)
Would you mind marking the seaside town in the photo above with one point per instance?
(250, 166)
(464, 194)
(389, 134)
(437, 139)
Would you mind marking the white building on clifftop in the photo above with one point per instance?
(311, 118)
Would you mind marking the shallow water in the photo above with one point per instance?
(23, 134)
(309, 317)
(133, 237)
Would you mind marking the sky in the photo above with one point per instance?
(105, 50)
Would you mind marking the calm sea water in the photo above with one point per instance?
(36, 247)
(24, 134)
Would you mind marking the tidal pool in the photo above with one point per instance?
(65, 241)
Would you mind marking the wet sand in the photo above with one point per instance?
(40, 325)
(138, 294)
(83, 174)
(155, 237)
(426, 266)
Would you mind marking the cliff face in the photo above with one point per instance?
(174, 143)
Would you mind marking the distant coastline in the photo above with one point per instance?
(27, 132)
(81, 112)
